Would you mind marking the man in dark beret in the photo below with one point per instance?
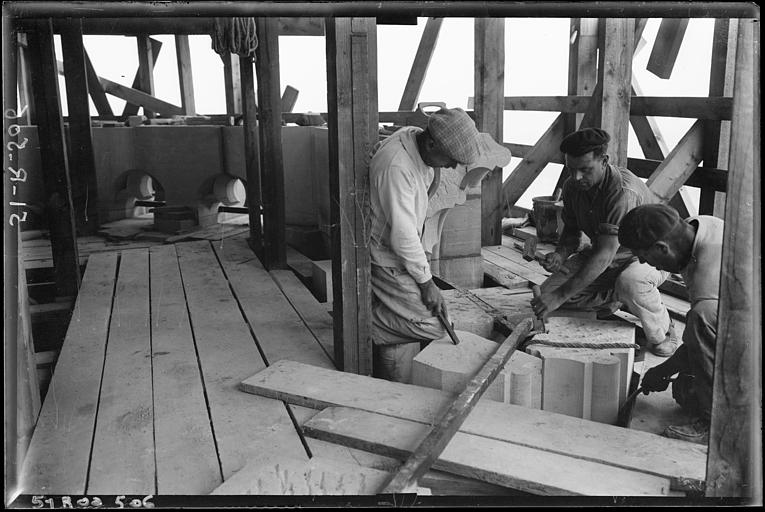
(693, 247)
(605, 275)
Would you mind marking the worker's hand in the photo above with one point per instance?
(655, 379)
(546, 303)
(552, 261)
(432, 298)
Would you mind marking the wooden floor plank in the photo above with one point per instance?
(531, 470)
(682, 462)
(280, 332)
(187, 462)
(243, 424)
(313, 313)
(492, 255)
(123, 446)
(58, 456)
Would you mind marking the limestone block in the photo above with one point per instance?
(443, 365)
(466, 315)
(522, 380)
(563, 330)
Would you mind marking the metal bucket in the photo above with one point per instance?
(548, 219)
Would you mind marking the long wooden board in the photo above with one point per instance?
(310, 310)
(493, 254)
(280, 332)
(243, 425)
(58, 457)
(187, 462)
(683, 463)
(123, 445)
(497, 462)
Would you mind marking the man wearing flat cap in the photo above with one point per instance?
(596, 196)
(405, 299)
(693, 247)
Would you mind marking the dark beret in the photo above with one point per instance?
(583, 141)
(647, 224)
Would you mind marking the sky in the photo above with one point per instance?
(536, 64)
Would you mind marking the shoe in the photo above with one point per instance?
(667, 347)
(696, 432)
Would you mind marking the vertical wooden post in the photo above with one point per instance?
(582, 63)
(53, 157)
(489, 111)
(352, 102)
(734, 466)
(251, 155)
(420, 64)
(717, 133)
(82, 162)
(156, 46)
(185, 78)
(26, 98)
(615, 75)
(145, 68)
(11, 257)
(233, 84)
(270, 123)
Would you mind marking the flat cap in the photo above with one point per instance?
(583, 141)
(457, 136)
(647, 224)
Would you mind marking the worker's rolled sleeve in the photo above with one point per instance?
(616, 204)
(397, 200)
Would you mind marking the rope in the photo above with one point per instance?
(583, 344)
(234, 35)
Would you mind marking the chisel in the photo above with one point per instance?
(448, 328)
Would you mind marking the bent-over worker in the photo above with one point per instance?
(401, 175)
(596, 196)
(692, 247)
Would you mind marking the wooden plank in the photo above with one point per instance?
(59, 210)
(125, 423)
(701, 177)
(289, 97)
(513, 261)
(227, 353)
(489, 91)
(735, 445)
(232, 83)
(310, 310)
(672, 173)
(717, 133)
(615, 77)
(666, 46)
(683, 463)
(82, 161)
(353, 128)
(57, 460)
(273, 473)
(715, 108)
(452, 419)
(130, 108)
(251, 153)
(270, 132)
(145, 70)
(95, 90)
(279, 330)
(136, 97)
(300, 264)
(534, 471)
(547, 149)
(187, 462)
(652, 143)
(185, 77)
(503, 276)
(420, 64)
(582, 62)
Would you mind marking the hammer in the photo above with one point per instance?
(539, 322)
(530, 253)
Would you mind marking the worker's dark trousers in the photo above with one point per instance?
(699, 340)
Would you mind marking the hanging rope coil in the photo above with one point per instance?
(235, 35)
